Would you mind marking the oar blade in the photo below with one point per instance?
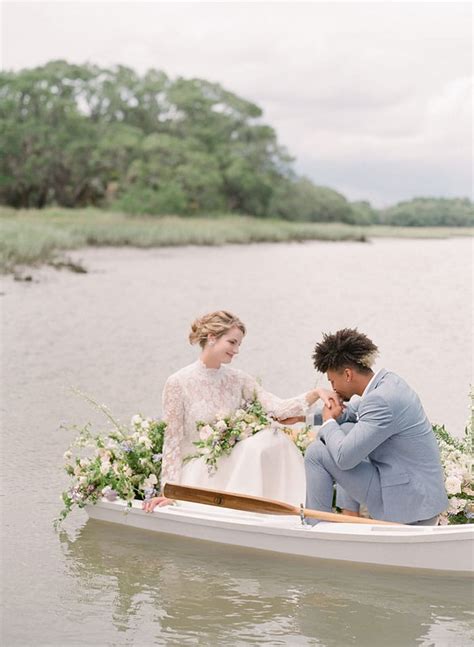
(256, 504)
(227, 500)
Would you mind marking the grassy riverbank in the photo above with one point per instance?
(34, 237)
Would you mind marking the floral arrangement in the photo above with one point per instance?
(302, 437)
(124, 463)
(217, 439)
(457, 461)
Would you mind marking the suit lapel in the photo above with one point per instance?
(378, 378)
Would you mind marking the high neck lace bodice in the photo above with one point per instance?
(209, 371)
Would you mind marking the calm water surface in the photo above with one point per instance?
(117, 333)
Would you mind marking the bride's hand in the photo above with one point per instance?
(157, 501)
(291, 421)
(329, 397)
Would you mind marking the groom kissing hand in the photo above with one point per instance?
(380, 449)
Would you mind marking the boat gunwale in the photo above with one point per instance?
(357, 533)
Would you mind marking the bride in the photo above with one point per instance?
(267, 464)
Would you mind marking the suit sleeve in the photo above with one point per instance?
(373, 428)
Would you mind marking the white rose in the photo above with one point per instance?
(67, 455)
(136, 420)
(105, 468)
(150, 481)
(456, 505)
(205, 432)
(453, 485)
(221, 425)
(145, 424)
(144, 440)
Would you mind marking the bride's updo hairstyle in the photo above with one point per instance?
(215, 323)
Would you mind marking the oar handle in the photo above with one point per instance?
(344, 518)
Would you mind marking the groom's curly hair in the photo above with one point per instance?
(346, 347)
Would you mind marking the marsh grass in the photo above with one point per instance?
(32, 237)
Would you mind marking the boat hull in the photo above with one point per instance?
(442, 548)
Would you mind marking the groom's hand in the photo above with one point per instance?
(334, 412)
(328, 397)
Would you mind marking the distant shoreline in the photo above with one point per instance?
(43, 237)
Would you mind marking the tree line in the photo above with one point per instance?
(79, 135)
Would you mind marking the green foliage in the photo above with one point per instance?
(300, 199)
(432, 212)
(85, 135)
(362, 213)
(144, 200)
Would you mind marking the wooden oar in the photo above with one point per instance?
(256, 504)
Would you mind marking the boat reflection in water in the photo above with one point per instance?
(159, 589)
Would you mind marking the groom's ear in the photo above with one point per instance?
(348, 374)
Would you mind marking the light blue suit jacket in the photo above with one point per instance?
(392, 431)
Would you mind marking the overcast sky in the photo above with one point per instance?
(373, 99)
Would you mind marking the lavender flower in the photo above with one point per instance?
(75, 495)
(157, 458)
(109, 494)
(149, 492)
(126, 447)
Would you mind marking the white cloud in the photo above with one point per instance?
(344, 84)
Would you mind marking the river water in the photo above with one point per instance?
(117, 332)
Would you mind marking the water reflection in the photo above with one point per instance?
(165, 590)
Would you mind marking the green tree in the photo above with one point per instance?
(300, 199)
(76, 135)
(430, 212)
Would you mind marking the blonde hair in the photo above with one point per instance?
(215, 323)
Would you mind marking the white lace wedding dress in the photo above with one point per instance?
(267, 464)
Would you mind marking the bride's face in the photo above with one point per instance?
(227, 346)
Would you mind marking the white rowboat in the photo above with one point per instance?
(439, 548)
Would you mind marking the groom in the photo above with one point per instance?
(380, 449)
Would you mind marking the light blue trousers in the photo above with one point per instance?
(362, 482)
(355, 487)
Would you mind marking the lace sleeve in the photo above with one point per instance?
(173, 413)
(275, 406)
